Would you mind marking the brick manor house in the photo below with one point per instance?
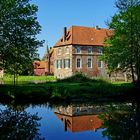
(78, 50)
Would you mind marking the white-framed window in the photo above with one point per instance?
(89, 62)
(66, 63)
(100, 64)
(78, 63)
(67, 50)
(78, 50)
(59, 64)
(59, 51)
(100, 50)
(90, 50)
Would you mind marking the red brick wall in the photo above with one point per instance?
(95, 71)
(39, 72)
(90, 72)
(63, 72)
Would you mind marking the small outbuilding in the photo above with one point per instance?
(40, 68)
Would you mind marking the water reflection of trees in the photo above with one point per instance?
(18, 125)
(122, 122)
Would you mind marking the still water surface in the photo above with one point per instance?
(114, 121)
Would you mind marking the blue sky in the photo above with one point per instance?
(53, 15)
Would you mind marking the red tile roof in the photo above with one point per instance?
(79, 35)
(40, 64)
(81, 123)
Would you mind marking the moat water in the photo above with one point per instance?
(81, 121)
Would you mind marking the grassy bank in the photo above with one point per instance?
(8, 79)
(74, 88)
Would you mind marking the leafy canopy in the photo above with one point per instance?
(123, 47)
(18, 30)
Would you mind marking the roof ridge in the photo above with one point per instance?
(90, 27)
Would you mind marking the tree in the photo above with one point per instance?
(122, 121)
(123, 47)
(18, 30)
(19, 125)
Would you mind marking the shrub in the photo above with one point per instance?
(78, 78)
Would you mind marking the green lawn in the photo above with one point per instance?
(24, 79)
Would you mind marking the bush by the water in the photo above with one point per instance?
(81, 78)
(78, 77)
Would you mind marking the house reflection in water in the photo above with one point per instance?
(80, 118)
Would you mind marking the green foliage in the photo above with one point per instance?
(93, 89)
(78, 77)
(18, 125)
(123, 48)
(28, 79)
(121, 122)
(18, 30)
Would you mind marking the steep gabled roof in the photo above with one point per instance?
(79, 35)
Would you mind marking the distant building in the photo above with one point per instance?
(78, 50)
(40, 68)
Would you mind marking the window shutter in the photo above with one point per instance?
(61, 63)
(57, 64)
(64, 63)
(69, 63)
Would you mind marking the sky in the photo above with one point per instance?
(54, 15)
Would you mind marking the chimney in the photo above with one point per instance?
(97, 27)
(65, 33)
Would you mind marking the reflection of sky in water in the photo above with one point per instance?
(123, 122)
(53, 129)
(2, 107)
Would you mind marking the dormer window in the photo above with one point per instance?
(59, 51)
(78, 50)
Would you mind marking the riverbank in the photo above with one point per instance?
(68, 91)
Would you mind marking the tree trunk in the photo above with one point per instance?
(132, 72)
(14, 82)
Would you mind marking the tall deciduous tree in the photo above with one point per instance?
(123, 48)
(18, 30)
